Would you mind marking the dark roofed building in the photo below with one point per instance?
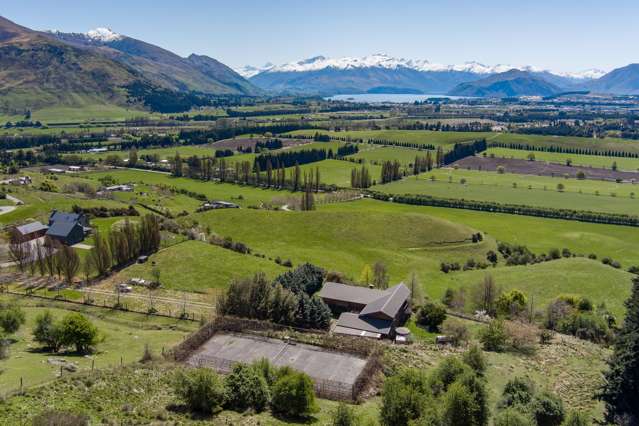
(68, 228)
(365, 311)
(31, 231)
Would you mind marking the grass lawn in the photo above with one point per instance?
(593, 195)
(198, 266)
(544, 281)
(412, 136)
(628, 164)
(92, 112)
(125, 335)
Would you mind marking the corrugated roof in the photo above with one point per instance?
(374, 325)
(390, 303)
(64, 217)
(354, 332)
(350, 293)
(31, 227)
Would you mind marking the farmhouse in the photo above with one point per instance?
(30, 231)
(122, 188)
(68, 228)
(367, 312)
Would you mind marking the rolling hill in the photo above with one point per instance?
(511, 83)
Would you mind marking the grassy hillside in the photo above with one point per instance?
(199, 266)
(544, 281)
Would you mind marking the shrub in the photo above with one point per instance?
(548, 410)
(447, 372)
(519, 391)
(521, 337)
(459, 406)
(494, 337)
(512, 417)
(246, 388)
(76, 330)
(344, 416)
(575, 418)
(201, 389)
(431, 315)
(511, 303)
(586, 326)
(4, 348)
(11, 318)
(293, 396)
(404, 397)
(474, 358)
(60, 418)
(456, 331)
(46, 332)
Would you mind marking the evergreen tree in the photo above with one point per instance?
(620, 391)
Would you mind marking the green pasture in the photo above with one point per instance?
(629, 164)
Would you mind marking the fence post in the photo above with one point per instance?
(21, 384)
(92, 364)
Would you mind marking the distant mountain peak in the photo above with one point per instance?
(104, 34)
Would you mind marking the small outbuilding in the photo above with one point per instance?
(30, 231)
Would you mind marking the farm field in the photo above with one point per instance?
(527, 191)
(125, 336)
(380, 153)
(337, 172)
(629, 164)
(242, 195)
(605, 144)
(198, 267)
(411, 136)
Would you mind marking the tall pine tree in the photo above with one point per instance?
(620, 392)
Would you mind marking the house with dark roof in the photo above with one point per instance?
(30, 231)
(367, 312)
(68, 228)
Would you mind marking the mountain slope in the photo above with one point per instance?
(36, 71)
(623, 81)
(162, 67)
(508, 84)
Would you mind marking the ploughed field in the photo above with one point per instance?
(526, 167)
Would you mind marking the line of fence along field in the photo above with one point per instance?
(183, 310)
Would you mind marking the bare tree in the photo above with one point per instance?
(40, 257)
(50, 247)
(416, 297)
(380, 275)
(485, 295)
(19, 251)
(68, 263)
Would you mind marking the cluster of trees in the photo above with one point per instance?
(391, 171)
(255, 387)
(291, 158)
(106, 211)
(288, 300)
(564, 149)
(577, 316)
(377, 275)
(360, 177)
(220, 153)
(475, 126)
(345, 150)
(327, 138)
(463, 150)
(73, 330)
(452, 394)
(46, 257)
(11, 319)
(423, 163)
(490, 206)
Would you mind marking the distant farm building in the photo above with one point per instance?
(213, 205)
(121, 188)
(30, 231)
(68, 228)
(367, 312)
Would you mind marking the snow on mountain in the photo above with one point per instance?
(105, 35)
(381, 60)
(591, 74)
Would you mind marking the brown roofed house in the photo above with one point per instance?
(365, 311)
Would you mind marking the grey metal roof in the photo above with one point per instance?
(61, 228)
(373, 325)
(354, 332)
(390, 303)
(349, 293)
(31, 227)
(64, 217)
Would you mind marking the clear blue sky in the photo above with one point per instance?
(563, 35)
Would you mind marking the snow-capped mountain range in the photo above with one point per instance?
(380, 60)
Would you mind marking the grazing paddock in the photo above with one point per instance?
(251, 142)
(334, 374)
